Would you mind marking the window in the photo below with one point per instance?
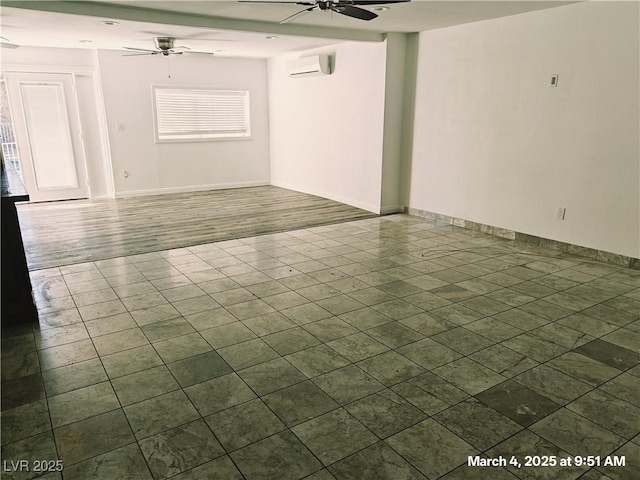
(200, 113)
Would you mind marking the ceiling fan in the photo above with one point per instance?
(350, 8)
(6, 44)
(164, 46)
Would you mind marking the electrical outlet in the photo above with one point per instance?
(126, 174)
(560, 212)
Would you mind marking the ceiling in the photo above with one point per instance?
(230, 28)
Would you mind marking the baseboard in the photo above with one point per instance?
(329, 195)
(101, 197)
(191, 188)
(389, 210)
(591, 253)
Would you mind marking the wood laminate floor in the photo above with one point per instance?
(64, 233)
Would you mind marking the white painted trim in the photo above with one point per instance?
(80, 133)
(105, 144)
(331, 196)
(66, 81)
(391, 209)
(92, 72)
(194, 188)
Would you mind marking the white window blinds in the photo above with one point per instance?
(198, 113)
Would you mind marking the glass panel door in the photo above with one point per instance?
(47, 128)
(49, 135)
(7, 135)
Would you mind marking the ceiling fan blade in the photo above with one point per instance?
(137, 54)
(194, 52)
(376, 2)
(355, 12)
(297, 14)
(7, 44)
(140, 50)
(276, 1)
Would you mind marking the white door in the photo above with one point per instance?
(45, 115)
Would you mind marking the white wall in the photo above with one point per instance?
(327, 132)
(165, 167)
(83, 63)
(95, 140)
(494, 144)
(50, 57)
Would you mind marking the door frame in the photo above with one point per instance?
(65, 86)
(103, 134)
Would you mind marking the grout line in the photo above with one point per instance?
(359, 330)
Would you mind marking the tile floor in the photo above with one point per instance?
(388, 348)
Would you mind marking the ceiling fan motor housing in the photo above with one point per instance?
(165, 43)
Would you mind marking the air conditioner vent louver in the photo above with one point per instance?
(309, 66)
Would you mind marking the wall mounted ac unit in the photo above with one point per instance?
(309, 66)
